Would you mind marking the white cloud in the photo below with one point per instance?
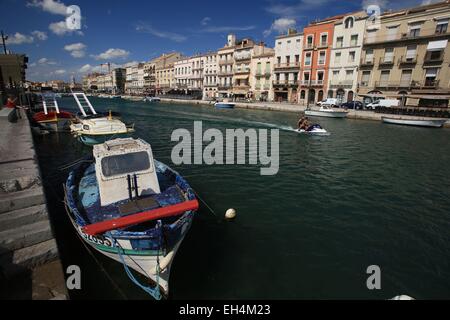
(40, 35)
(112, 54)
(45, 61)
(60, 29)
(77, 50)
(292, 10)
(225, 29)
(19, 38)
(51, 6)
(280, 25)
(205, 21)
(142, 27)
(60, 71)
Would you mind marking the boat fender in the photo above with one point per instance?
(230, 214)
(163, 263)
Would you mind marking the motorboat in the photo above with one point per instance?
(51, 118)
(131, 208)
(326, 111)
(152, 99)
(314, 130)
(92, 128)
(430, 123)
(224, 105)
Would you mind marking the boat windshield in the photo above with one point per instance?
(125, 163)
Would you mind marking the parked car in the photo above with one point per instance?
(357, 105)
(329, 102)
(387, 103)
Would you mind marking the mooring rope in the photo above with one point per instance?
(204, 202)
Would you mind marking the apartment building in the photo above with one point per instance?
(261, 71)
(198, 65)
(317, 43)
(348, 37)
(165, 72)
(210, 76)
(406, 55)
(226, 63)
(134, 83)
(12, 70)
(183, 73)
(288, 53)
(243, 52)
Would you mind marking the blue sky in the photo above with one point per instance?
(121, 32)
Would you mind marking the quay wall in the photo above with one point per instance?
(29, 258)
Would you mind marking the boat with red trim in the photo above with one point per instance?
(131, 208)
(51, 118)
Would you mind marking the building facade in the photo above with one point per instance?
(12, 70)
(210, 76)
(345, 56)
(406, 56)
(261, 71)
(288, 53)
(183, 73)
(165, 72)
(226, 64)
(317, 43)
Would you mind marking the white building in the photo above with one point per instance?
(261, 67)
(345, 56)
(225, 73)
(210, 76)
(288, 53)
(183, 73)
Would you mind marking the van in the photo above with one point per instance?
(386, 103)
(330, 102)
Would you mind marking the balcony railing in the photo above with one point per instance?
(311, 83)
(368, 62)
(341, 84)
(407, 60)
(409, 84)
(323, 45)
(385, 61)
(309, 46)
(423, 33)
(429, 58)
(287, 65)
(285, 82)
(241, 71)
(225, 73)
(226, 62)
(224, 86)
(242, 58)
(263, 73)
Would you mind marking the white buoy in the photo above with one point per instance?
(230, 214)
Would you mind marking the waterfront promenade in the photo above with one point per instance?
(29, 264)
(289, 107)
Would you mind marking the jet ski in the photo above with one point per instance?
(315, 130)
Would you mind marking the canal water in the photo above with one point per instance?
(368, 194)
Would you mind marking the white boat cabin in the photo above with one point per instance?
(125, 170)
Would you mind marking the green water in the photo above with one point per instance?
(369, 194)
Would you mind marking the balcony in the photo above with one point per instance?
(292, 65)
(413, 35)
(309, 46)
(322, 45)
(285, 83)
(263, 74)
(433, 58)
(396, 84)
(225, 73)
(196, 77)
(386, 62)
(405, 60)
(226, 62)
(368, 62)
(242, 58)
(311, 83)
(346, 84)
(224, 86)
(241, 71)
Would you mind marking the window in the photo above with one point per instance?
(322, 56)
(337, 57)
(411, 52)
(442, 26)
(369, 56)
(297, 58)
(335, 74)
(349, 75)
(307, 59)
(430, 77)
(309, 42)
(125, 164)
(406, 78)
(391, 33)
(371, 36)
(389, 55)
(384, 78)
(340, 42)
(354, 40)
(288, 60)
(278, 60)
(324, 39)
(306, 76)
(351, 56)
(365, 78)
(414, 30)
(320, 77)
(349, 23)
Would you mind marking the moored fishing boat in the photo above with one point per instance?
(224, 105)
(51, 118)
(152, 99)
(131, 208)
(327, 112)
(92, 128)
(430, 123)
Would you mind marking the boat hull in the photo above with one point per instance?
(91, 140)
(326, 114)
(416, 123)
(224, 105)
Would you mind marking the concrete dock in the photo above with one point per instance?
(29, 264)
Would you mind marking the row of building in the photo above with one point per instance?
(401, 54)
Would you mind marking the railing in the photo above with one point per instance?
(311, 83)
(225, 73)
(287, 65)
(309, 46)
(407, 60)
(323, 45)
(430, 59)
(341, 84)
(263, 73)
(244, 70)
(226, 62)
(386, 62)
(423, 33)
(242, 58)
(368, 62)
(224, 86)
(429, 84)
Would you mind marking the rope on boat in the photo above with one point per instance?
(204, 202)
(154, 292)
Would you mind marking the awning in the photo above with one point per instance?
(437, 45)
(431, 72)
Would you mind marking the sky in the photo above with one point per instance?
(123, 32)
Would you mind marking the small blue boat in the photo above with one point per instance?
(224, 105)
(132, 209)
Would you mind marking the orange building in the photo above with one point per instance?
(317, 43)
